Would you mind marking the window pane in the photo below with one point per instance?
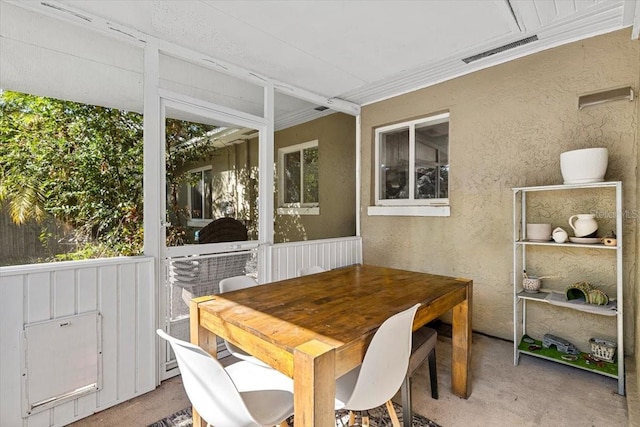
(196, 196)
(292, 177)
(311, 175)
(432, 161)
(394, 164)
(208, 194)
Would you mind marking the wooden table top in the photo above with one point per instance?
(336, 307)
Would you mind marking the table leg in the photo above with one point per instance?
(205, 339)
(461, 347)
(314, 385)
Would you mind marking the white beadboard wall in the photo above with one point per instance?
(121, 289)
(288, 258)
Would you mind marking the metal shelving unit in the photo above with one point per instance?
(521, 299)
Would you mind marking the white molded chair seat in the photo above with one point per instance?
(383, 369)
(233, 284)
(310, 270)
(241, 395)
(423, 346)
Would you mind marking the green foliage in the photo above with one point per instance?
(83, 165)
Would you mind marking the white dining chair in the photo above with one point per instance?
(423, 347)
(383, 368)
(236, 283)
(240, 395)
(310, 270)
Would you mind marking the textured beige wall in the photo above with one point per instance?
(636, 310)
(509, 124)
(337, 181)
(237, 183)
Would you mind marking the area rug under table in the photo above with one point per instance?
(378, 417)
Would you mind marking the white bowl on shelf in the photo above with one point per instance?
(584, 166)
(539, 232)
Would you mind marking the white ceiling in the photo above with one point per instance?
(358, 51)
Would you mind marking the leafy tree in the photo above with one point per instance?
(82, 164)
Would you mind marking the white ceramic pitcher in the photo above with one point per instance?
(584, 225)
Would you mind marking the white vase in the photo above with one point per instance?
(584, 166)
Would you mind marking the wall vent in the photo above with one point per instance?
(490, 52)
(321, 108)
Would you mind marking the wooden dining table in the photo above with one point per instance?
(316, 328)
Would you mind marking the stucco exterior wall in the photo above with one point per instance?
(508, 126)
(636, 310)
(337, 181)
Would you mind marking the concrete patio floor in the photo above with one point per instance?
(534, 393)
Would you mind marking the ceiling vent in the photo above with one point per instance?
(490, 52)
(321, 108)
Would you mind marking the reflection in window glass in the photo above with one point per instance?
(196, 199)
(311, 175)
(394, 167)
(207, 193)
(201, 194)
(299, 175)
(292, 177)
(432, 161)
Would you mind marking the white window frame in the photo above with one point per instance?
(197, 222)
(295, 208)
(410, 206)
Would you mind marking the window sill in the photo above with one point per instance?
(409, 211)
(299, 211)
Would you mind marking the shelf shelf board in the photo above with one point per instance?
(607, 369)
(566, 244)
(603, 184)
(608, 310)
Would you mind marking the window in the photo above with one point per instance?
(298, 179)
(200, 196)
(412, 174)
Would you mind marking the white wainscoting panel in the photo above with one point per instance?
(120, 289)
(288, 258)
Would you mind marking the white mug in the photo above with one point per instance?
(559, 235)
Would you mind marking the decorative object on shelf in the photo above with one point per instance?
(584, 166)
(561, 344)
(610, 239)
(569, 357)
(590, 359)
(603, 349)
(584, 225)
(540, 232)
(531, 285)
(586, 240)
(586, 290)
(559, 235)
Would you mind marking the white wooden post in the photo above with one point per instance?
(153, 178)
(265, 187)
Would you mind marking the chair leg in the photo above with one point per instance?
(352, 418)
(392, 414)
(433, 374)
(405, 392)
